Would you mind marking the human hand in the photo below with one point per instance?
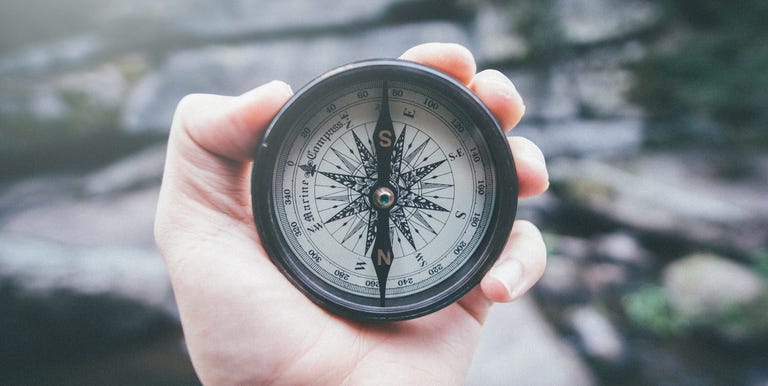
(244, 323)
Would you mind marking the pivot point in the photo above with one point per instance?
(383, 197)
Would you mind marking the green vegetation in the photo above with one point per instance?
(649, 309)
(704, 81)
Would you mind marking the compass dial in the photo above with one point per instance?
(384, 190)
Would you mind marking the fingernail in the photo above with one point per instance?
(510, 274)
(503, 87)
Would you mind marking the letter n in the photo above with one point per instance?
(387, 258)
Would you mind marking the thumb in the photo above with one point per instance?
(229, 127)
(212, 139)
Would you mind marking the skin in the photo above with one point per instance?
(244, 323)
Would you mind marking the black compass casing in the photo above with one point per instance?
(284, 129)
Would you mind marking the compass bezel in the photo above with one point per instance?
(454, 286)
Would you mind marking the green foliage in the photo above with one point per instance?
(649, 309)
(760, 261)
(709, 67)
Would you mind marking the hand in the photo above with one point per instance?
(244, 323)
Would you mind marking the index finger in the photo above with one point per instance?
(452, 59)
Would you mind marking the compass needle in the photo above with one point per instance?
(384, 190)
(382, 140)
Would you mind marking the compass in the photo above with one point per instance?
(384, 190)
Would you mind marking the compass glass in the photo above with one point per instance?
(381, 187)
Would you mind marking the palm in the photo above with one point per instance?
(295, 335)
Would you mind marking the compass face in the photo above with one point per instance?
(384, 190)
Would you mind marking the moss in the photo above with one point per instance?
(649, 309)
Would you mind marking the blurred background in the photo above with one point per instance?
(653, 115)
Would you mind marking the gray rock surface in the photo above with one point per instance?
(597, 335)
(124, 220)
(69, 303)
(37, 266)
(586, 21)
(579, 138)
(650, 198)
(520, 347)
(211, 18)
(622, 247)
(563, 278)
(695, 286)
(495, 36)
(144, 168)
(238, 68)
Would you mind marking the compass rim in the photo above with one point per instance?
(449, 289)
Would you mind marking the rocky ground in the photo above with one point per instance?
(658, 259)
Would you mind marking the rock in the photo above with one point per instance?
(597, 336)
(139, 170)
(520, 347)
(37, 190)
(111, 206)
(46, 119)
(589, 21)
(603, 278)
(64, 303)
(757, 375)
(61, 95)
(549, 95)
(574, 248)
(538, 208)
(42, 58)
(135, 171)
(35, 265)
(495, 35)
(235, 69)
(621, 247)
(562, 279)
(688, 206)
(125, 220)
(591, 138)
(714, 292)
(601, 82)
(212, 19)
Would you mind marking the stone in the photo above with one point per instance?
(47, 117)
(60, 301)
(601, 81)
(687, 205)
(519, 346)
(548, 95)
(562, 279)
(36, 265)
(234, 69)
(582, 138)
(575, 248)
(124, 220)
(621, 247)
(536, 209)
(604, 278)
(597, 335)
(144, 168)
(35, 191)
(42, 58)
(590, 21)
(495, 35)
(60, 95)
(718, 293)
(212, 19)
